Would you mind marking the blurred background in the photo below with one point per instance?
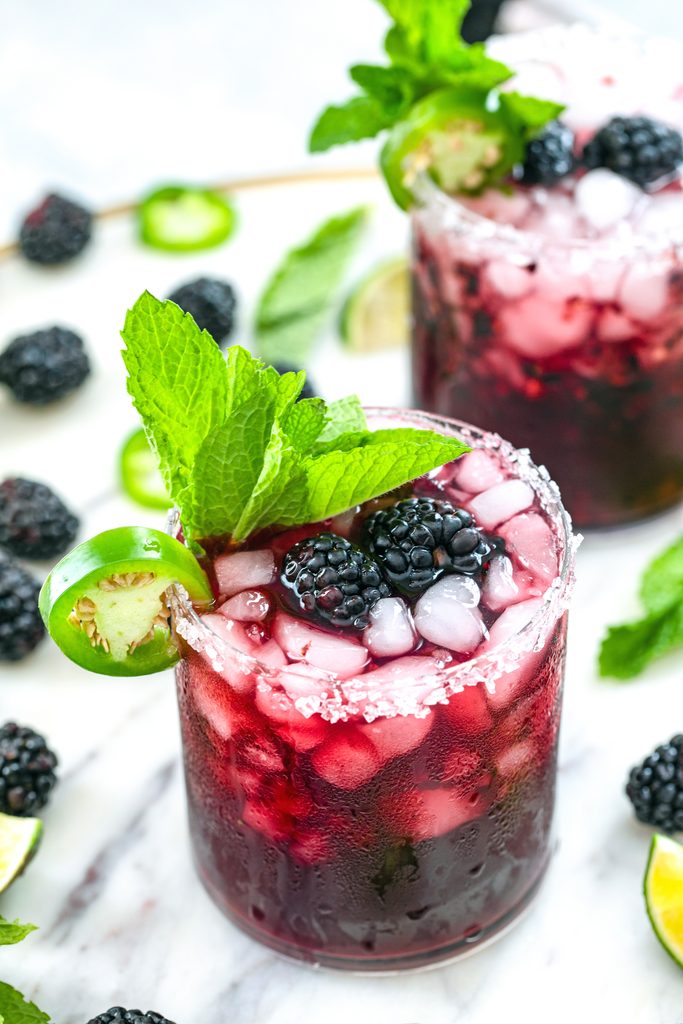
(103, 99)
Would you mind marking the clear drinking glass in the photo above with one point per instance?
(378, 830)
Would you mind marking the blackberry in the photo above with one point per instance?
(550, 156)
(333, 580)
(117, 1015)
(655, 787)
(41, 367)
(309, 390)
(211, 303)
(418, 540)
(34, 523)
(21, 627)
(56, 231)
(27, 770)
(638, 148)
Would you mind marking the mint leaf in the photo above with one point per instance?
(662, 582)
(627, 649)
(270, 461)
(386, 459)
(529, 113)
(297, 299)
(12, 932)
(343, 416)
(228, 465)
(392, 88)
(177, 381)
(361, 117)
(14, 1009)
(304, 423)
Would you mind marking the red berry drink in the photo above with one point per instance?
(370, 714)
(552, 312)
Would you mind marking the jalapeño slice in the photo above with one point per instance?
(180, 218)
(139, 472)
(105, 603)
(453, 136)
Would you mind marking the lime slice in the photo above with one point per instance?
(139, 472)
(664, 894)
(377, 315)
(19, 838)
(179, 218)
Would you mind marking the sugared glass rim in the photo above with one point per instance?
(457, 218)
(347, 696)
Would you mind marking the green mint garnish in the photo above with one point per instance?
(298, 297)
(428, 58)
(629, 648)
(12, 932)
(14, 1009)
(237, 451)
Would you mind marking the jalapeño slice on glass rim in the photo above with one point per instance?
(454, 136)
(105, 603)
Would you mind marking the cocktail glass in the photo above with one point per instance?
(385, 819)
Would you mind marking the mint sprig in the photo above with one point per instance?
(426, 56)
(299, 294)
(629, 648)
(254, 457)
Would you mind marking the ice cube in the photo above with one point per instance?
(515, 761)
(538, 327)
(303, 734)
(271, 655)
(342, 524)
(310, 847)
(605, 280)
(604, 198)
(509, 279)
(347, 759)
(260, 752)
(231, 667)
(500, 587)
(663, 214)
(511, 684)
(561, 278)
(391, 631)
(502, 207)
(644, 290)
(426, 813)
(468, 711)
(301, 642)
(497, 504)
(530, 539)
(395, 736)
(216, 703)
(247, 606)
(243, 570)
(477, 471)
(404, 681)
(614, 326)
(447, 614)
(512, 621)
(265, 819)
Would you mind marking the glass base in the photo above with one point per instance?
(414, 961)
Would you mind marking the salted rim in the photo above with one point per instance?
(427, 193)
(351, 697)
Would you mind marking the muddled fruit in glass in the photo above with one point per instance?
(551, 310)
(370, 714)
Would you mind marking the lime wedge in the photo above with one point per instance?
(19, 838)
(139, 472)
(377, 315)
(179, 218)
(664, 894)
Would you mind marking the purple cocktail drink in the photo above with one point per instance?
(553, 312)
(381, 798)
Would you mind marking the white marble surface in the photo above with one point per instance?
(92, 97)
